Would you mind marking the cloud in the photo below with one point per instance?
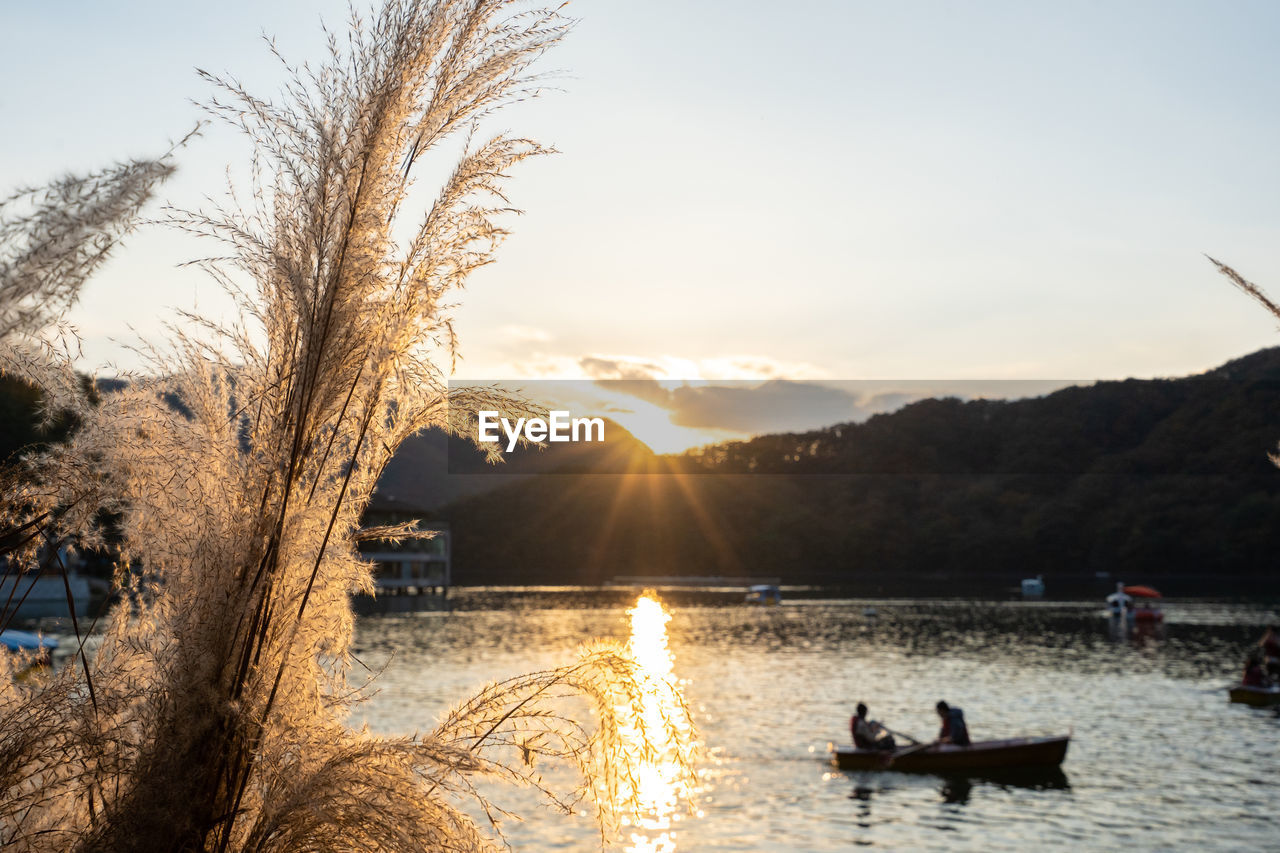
(526, 334)
(737, 394)
(756, 367)
(672, 402)
(597, 367)
(778, 405)
(667, 367)
(887, 401)
(632, 378)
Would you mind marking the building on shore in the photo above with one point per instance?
(413, 574)
(47, 589)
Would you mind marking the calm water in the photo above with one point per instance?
(1159, 758)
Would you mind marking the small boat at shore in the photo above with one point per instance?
(25, 641)
(1255, 695)
(32, 652)
(764, 593)
(1024, 753)
(1138, 605)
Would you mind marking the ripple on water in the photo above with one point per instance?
(1159, 758)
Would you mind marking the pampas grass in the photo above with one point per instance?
(1247, 287)
(1257, 294)
(213, 714)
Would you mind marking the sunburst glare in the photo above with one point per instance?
(660, 781)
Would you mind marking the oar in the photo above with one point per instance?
(899, 734)
(911, 750)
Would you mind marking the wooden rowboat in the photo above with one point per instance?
(1256, 695)
(1023, 753)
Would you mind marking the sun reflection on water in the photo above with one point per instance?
(660, 783)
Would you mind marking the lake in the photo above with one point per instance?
(1159, 757)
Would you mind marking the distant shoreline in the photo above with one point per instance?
(486, 597)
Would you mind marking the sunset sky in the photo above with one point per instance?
(807, 191)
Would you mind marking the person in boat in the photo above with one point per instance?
(1118, 601)
(869, 734)
(1255, 675)
(1270, 646)
(1130, 613)
(954, 730)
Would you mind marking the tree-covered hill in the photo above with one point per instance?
(1167, 480)
(1155, 479)
(432, 468)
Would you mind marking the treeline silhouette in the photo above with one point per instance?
(1165, 480)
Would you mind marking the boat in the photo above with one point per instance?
(32, 650)
(1033, 587)
(1147, 611)
(25, 641)
(1255, 695)
(1024, 753)
(764, 593)
(1138, 605)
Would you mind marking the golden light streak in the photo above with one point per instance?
(659, 783)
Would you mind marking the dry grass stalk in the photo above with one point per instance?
(1247, 287)
(1256, 293)
(241, 466)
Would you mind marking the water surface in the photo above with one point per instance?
(1159, 758)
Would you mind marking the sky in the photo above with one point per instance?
(807, 192)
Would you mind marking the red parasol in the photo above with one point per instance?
(1142, 592)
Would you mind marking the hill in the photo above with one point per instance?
(1164, 480)
(432, 468)
(1156, 479)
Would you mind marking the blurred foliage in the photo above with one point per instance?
(20, 422)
